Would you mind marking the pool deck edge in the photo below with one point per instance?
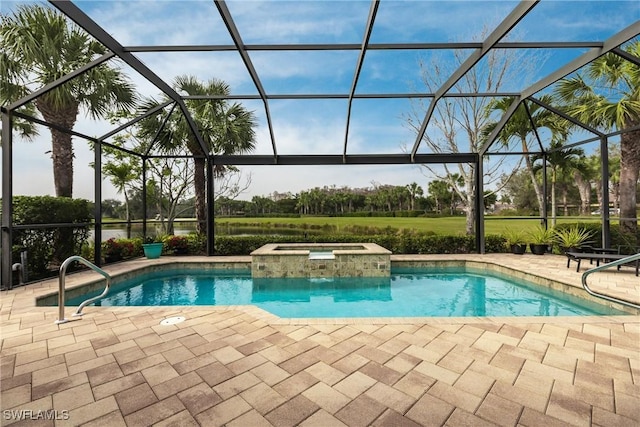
(240, 366)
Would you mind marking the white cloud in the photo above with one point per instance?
(313, 127)
(300, 22)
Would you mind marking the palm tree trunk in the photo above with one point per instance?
(127, 214)
(471, 207)
(536, 187)
(584, 189)
(199, 183)
(629, 171)
(553, 198)
(565, 203)
(61, 145)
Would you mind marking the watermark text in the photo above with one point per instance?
(33, 414)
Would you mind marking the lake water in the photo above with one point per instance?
(182, 228)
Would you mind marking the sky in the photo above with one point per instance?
(319, 126)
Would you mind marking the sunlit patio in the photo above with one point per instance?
(328, 92)
(242, 366)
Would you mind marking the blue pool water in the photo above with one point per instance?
(417, 293)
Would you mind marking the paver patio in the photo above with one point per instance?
(241, 366)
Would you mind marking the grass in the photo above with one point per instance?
(440, 225)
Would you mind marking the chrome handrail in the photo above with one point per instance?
(615, 263)
(61, 286)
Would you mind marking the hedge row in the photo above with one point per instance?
(397, 244)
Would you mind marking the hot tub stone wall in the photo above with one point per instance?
(302, 266)
(366, 261)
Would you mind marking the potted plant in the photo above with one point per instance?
(540, 240)
(179, 245)
(573, 238)
(515, 241)
(152, 248)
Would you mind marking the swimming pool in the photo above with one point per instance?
(408, 293)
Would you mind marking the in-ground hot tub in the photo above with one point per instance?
(320, 260)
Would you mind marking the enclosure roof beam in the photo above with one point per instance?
(225, 14)
(159, 131)
(575, 144)
(626, 55)
(516, 15)
(79, 17)
(363, 51)
(611, 43)
(500, 125)
(296, 96)
(351, 159)
(148, 113)
(566, 116)
(621, 131)
(53, 126)
(533, 125)
(58, 82)
(70, 132)
(355, 46)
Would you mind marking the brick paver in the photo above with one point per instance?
(240, 366)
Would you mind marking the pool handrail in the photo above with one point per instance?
(61, 286)
(605, 266)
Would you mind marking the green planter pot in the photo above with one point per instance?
(152, 250)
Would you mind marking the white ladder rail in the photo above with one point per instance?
(61, 286)
(615, 263)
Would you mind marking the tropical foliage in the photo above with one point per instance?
(48, 246)
(606, 94)
(522, 127)
(224, 128)
(40, 46)
(559, 160)
(572, 237)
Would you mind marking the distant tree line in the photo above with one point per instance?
(440, 198)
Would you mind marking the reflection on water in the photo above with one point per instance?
(338, 289)
(226, 230)
(120, 231)
(458, 294)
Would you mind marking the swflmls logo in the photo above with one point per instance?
(30, 414)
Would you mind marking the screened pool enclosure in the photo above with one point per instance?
(384, 73)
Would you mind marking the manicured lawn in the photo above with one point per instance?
(442, 225)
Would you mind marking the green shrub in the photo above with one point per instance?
(494, 243)
(400, 243)
(48, 246)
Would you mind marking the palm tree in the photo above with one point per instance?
(521, 128)
(585, 173)
(121, 176)
(440, 192)
(619, 109)
(39, 46)
(560, 160)
(226, 129)
(414, 191)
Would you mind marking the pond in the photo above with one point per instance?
(120, 231)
